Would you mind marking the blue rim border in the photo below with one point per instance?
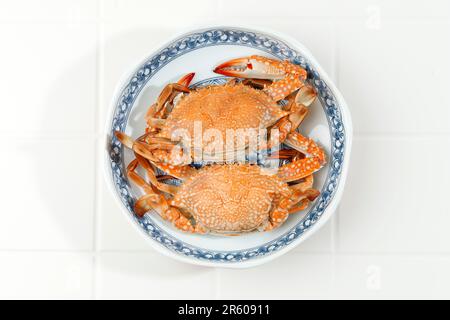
(226, 36)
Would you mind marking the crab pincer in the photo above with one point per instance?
(287, 76)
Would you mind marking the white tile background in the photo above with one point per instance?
(61, 234)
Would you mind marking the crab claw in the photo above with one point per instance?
(259, 67)
(287, 76)
(255, 67)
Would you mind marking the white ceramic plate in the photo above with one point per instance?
(199, 51)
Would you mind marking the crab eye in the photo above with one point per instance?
(250, 66)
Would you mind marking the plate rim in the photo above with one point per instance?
(328, 211)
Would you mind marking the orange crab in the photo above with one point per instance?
(223, 198)
(234, 105)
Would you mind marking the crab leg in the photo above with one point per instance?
(137, 179)
(305, 145)
(285, 126)
(167, 212)
(298, 109)
(301, 199)
(305, 185)
(277, 217)
(156, 148)
(257, 83)
(144, 153)
(288, 77)
(315, 158)
(302, 205)
(180, 221)
(158, 202)
(171, 189)
(171, 90)
(305, 96)
(158, 109)
(179, 172)
(142, 204)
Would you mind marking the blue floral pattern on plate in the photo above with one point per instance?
(216, 37)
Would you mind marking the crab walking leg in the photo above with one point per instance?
(285, 126)
(310, 196)
(297, 201)
(140, 147)
(144, 154)
(179, 172)
(300, 200)
(279, 215)
(137, 146)
(158, 202)
(167, 212)
(304, 185)
(315, 158)
(151, 112)
(305, 96)
(167, 151)
(174, 215)
(290, 154)
(257, 83)
(156, 123)
(142, 204)
(155, 149)
(137, 179)
(305, 145)
(172, 90)
(159, 109)
(298, 110)
(299, 169)
(302, 205)
(171, 189)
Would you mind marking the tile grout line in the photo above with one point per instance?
(335, 221)
(218, 284)
(443, 254)
(336, 65)
(99, 101)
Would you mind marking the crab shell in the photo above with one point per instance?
(229, 106)
(231, 198)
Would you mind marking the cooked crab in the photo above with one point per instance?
(229, 198)
(234, 105)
